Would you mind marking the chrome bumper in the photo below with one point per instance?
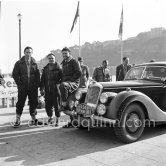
(92, 117)
(102, 119)
(70, 113)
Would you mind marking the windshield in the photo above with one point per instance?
(135, 73)
(147, 72)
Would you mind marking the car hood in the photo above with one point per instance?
(130, 83)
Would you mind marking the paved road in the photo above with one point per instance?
(51, 146)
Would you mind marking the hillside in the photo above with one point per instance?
(142, 48)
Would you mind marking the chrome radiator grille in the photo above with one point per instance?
(92, 95)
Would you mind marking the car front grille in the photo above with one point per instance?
(92, 95)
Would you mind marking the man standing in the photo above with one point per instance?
(71, 73)
(85, 74)
(50, 79)
(122, 69)
(27, 77)
(1, 78)
(102, 73)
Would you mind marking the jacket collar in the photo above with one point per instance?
(102, 68)
(68, 60)
(22, 60)
(54, 66)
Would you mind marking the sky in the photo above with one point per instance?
(46, 24)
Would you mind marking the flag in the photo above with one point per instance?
(121, 25)
(75, 18)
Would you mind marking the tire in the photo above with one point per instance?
(131, 123)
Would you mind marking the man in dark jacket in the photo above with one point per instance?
(1, 78)
(85, 74)
(122, 69)
(50, 79)
(102, 73)
(27, 77)
(71, 73)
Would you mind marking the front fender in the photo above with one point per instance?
(71, 99)
(72, 95)
(123, 99)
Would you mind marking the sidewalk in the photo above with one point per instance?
(52, 146)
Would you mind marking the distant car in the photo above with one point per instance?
(127, 105)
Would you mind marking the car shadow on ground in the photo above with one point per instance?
(45, 145)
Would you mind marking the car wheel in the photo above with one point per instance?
(131, 125)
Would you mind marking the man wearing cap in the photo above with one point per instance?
(71, 73)
(85, 73)
(50, 79)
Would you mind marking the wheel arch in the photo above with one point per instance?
(140, 104)
(124, 99)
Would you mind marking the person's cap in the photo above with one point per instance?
(50, 54)
(66, 49)
(80, 59)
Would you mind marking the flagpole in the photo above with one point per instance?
(74, 22)
(121, 52)
(121, 35)
(79, 34)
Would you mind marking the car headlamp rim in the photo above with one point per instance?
(76, 103)
(71, 104)
(101, 109)
(78, 95)
(104, 97)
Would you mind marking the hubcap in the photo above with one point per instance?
(133, 122)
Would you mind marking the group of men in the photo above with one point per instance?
(56, 83)
(102, 73)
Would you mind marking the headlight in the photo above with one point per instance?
(78, 95)
(103, 98)
(76, 103)
(71, 104)
(101, 109)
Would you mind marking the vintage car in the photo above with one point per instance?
(127, 105)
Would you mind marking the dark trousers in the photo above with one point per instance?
(64, 89)
(33, 101)
(52, 100)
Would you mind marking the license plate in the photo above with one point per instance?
(84, 109)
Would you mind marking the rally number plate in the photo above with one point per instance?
(84, 110)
